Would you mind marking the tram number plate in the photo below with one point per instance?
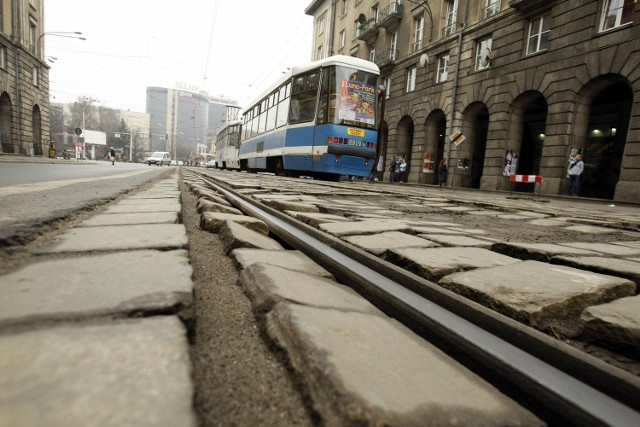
(355, 132)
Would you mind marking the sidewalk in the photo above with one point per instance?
(11, 158)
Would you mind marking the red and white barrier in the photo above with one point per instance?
(525, 178)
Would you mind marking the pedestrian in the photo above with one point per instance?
(392, 171)
(442, 172)
(375, 171)
(112, 154)
(402, 167)
(576, 167)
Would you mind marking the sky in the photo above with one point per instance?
(229, 48)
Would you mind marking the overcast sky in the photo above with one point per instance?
(240, 46)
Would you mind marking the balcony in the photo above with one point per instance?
(417, 46)
(525, 6)
(386, 59)
(449, 30)
(390, 15)
(368, 31)
(491, 10)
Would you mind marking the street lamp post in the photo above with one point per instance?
(67, 34)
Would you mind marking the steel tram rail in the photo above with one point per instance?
(560, 384)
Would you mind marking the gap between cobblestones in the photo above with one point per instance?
(238, 379)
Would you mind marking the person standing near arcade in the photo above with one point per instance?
(402, 167)
(392, 171)
(442, 172)
(576, 167)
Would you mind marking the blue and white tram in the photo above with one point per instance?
(318, 120)
(227, 146)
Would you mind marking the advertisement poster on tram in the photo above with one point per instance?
(357, 102)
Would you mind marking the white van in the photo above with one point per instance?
(159, 158)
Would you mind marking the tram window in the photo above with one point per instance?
(324, 97)
(283, 92)
(283, 112)
(247, 130)
(298, 84)
(304, 98)
(254, 124)
(262, 120)
(271, 115)
(283, 105)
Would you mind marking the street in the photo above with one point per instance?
(35, 195)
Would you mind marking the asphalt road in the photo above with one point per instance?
(33, 196)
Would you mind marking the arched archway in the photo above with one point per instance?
(36, 126)
(5, 124)
(471, 153)
(435, 130)
(602, 123)
(528, 121)
(405, 140)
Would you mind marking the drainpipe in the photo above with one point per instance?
(454, 90)
(333, 26)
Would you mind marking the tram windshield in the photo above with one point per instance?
(348, 96)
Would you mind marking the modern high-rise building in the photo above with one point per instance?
(185, 122)
(182, 117)
(524, 84)
(221, 111)
(24, 79)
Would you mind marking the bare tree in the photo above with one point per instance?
(83, 113)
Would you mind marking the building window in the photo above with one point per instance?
(35, 76)
(319, 55)
(539, 34)
(345, 7)
(492, 8)
(357, 28)
(3, 57)
(374, 12)
(372, 53)
(387, 87)
(417, 40)
(320, 26)
(483, 48)
(617, 13)
(450, 18)
(393, 46)
(411, 79)
(341, 39)
(33, 35)
(443, 68)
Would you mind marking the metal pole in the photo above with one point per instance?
(84, 145)
(130, 146)
(455, 168)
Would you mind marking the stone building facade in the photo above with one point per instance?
(528, 83)
(24, 79)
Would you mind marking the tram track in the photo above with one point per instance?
(560, 384)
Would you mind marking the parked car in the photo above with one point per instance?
(210, 164)
(159, 158)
